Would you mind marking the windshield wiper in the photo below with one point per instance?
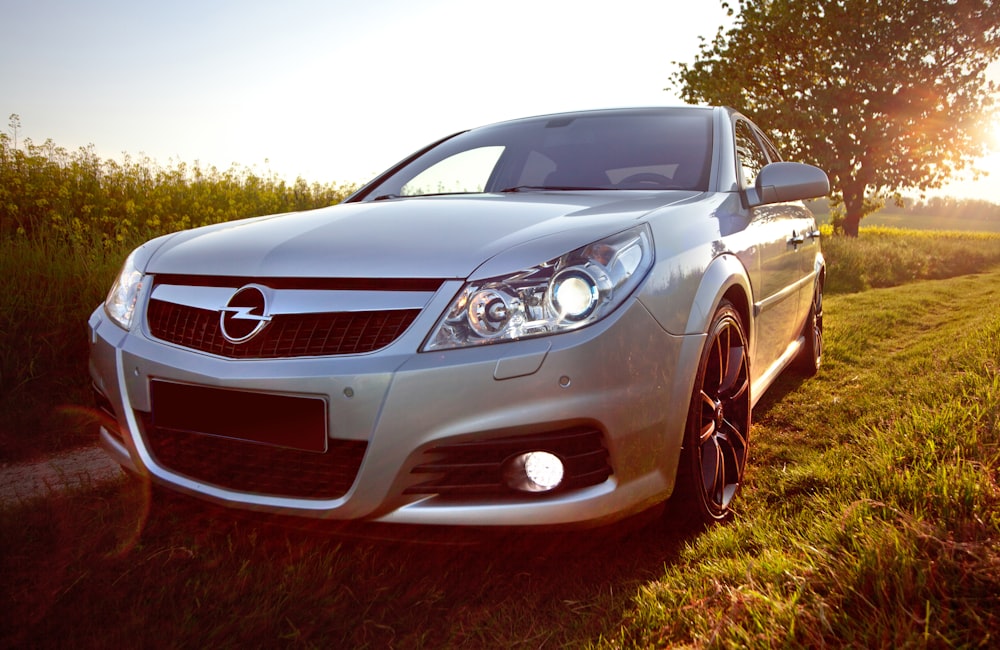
(385, 197)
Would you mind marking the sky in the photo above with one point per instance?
(333, 91)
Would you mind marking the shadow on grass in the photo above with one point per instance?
(786, 383)
(94, 570)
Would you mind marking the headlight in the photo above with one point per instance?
(121, 300)
(563, 294)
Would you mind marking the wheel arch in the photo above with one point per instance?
(725, 278)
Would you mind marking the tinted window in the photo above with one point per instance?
(646, 150)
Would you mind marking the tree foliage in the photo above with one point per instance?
(882, 94)
(47, 192)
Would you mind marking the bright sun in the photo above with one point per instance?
(987, 186)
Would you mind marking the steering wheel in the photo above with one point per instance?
(646, 178)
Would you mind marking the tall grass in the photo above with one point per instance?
(47, 291)
(888, 257)
(67, 221)
(49, 193)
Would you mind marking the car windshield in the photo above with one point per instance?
(649, 149)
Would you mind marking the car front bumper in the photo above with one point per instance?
(624, 378)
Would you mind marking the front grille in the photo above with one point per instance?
(476, 467)
(252, 467)
(287, 335)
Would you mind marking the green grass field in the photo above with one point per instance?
(870, 518)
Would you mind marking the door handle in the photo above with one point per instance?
(796, 239)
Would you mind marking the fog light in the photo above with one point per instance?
(534, 471)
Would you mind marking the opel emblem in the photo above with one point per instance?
(245, 315)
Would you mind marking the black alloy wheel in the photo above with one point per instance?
(718, 424)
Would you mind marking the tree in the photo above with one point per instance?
(882, 94)
(14, 123)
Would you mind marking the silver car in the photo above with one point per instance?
(558, 321)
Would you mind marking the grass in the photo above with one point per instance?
(888, 257)
(869, 518)
(47, 292)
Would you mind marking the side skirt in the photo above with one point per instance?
(764, 381)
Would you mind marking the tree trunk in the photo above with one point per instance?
(854, 203)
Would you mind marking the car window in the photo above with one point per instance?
(643, 149)
(464, 172)
(751, 157)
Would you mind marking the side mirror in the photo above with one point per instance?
(789, 181)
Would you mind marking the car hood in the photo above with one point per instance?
(430, 237)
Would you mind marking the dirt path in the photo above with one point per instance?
(78, 468)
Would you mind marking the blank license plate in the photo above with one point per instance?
(278, 420)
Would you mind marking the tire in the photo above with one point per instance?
(810, 358)
(718, 423)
